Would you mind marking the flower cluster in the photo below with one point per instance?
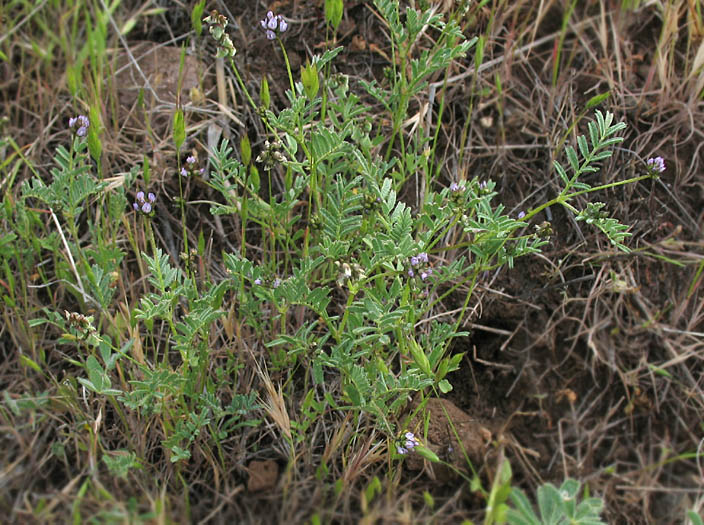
(543, 230)
(191, 167)
(82, 122)
(272, 283)
(462, 192)
(271, 155)
(216, 26)
(656, 165)
(83, 325)
(349, 272)
(410, 441)
(273, 24)
(419, 264)
(371, 202)
(144, 205)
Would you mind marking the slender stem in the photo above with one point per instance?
(288, 66)
(183, 218)
(564, 197)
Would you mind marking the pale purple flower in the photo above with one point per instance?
(454, 187)
(257, 281)
(424, 275)
(656, 164)
(411, 273)
(521, 214)
(410, 442)
(276, 283)
(144, 205)
(414, 261)
(82, 122)
(184, 172)
(191, 159)
(273, 24)
(423, 257)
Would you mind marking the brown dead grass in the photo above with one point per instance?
(587, 362)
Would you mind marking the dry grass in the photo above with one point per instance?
(587, 363)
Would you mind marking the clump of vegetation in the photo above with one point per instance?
(273, 312)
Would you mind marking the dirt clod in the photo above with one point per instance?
(262, 475)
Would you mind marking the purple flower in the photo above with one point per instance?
(273, 24)
(184, 172)
(424, 276)
(191, 160)
(411, 273)
(521, 214)
(656, 164)
(410, 442)
(257, 281)
(423, 257)
(276, 283)
(144, 205)
(414, 261)
(454, 187)
(82, 122)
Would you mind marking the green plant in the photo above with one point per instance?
(556, 506)
(340, 279)
(361, 242)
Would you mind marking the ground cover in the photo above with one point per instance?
(229, 297)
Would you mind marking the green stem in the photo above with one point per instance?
(288, 66)
(563, 197)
